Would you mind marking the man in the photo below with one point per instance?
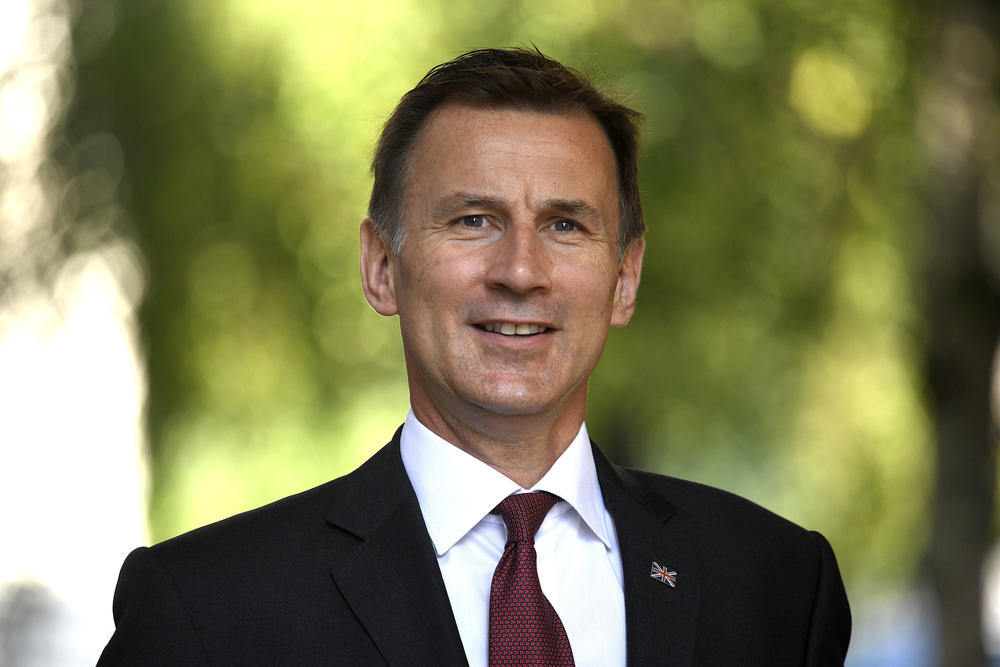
(505, 232)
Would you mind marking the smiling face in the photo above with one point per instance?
(509, 278)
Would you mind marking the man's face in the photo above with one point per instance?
(508, 279)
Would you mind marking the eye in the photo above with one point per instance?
(475, 221)
(564, 225)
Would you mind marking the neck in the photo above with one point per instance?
(521, 447)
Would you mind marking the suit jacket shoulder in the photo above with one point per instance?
(344, 572)
(751, 587)
(730, 520)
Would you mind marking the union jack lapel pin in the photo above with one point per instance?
(663, 574)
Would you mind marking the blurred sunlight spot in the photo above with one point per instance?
(15, 17)
(244, 363)
(958, 105)
(878, 52)
(868, 284)
(946, 125)
(728, 33)
(72, 384)
(829, 94)
(22, 204)
(969, 54)
(71, 395)
(23, 113)
(991, 596)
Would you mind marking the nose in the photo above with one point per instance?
(519, 261)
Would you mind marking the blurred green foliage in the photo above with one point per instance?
(776, 348)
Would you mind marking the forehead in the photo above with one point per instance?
(509, 152)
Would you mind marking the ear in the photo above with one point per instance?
(376, 271)
(629, 272)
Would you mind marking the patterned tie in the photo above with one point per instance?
(524, 628)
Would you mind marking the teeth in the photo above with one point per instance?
(511, 329)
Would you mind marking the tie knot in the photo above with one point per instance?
(523, 513)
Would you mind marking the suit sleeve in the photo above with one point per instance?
(830, 627)
(152, 626)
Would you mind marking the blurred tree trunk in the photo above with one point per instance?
(956, 120)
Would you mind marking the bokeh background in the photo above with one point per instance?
(183, 336)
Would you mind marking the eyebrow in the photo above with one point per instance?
(458, 201)
(576, 208)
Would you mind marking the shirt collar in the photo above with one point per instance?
(456, 490)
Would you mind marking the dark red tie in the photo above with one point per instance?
(524, 628)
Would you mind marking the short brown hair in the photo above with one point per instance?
(516, 78)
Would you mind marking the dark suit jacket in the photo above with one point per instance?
(345, 574)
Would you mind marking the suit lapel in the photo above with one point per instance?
(389, 575)
(660, 620)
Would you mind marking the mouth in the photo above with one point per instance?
(513, 328)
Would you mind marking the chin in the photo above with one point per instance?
(514, 402)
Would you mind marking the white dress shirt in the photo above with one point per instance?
(579, 565)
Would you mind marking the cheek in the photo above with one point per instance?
(590, 284)
(448, 276)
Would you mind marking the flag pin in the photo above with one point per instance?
(663, 574)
